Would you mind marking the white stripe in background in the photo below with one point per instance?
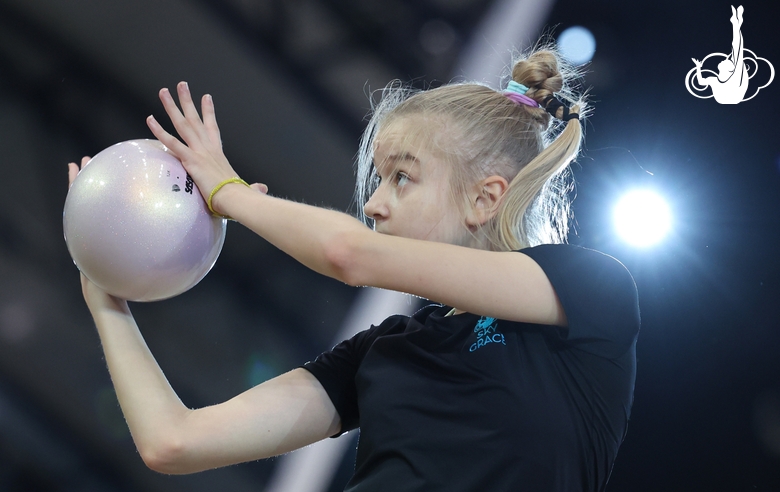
(508, 24)
(311, 469)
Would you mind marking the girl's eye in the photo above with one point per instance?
(401, 178)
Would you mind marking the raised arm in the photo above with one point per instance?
(282, 414)
(504, 285)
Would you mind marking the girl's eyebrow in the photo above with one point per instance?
(405, 156)
(395, 159)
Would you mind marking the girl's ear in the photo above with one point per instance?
(485, 198)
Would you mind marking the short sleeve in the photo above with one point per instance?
(598, 295)
(336, 370)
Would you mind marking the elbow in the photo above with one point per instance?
(165, 455)
(343, 256)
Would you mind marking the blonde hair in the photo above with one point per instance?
(496, 136)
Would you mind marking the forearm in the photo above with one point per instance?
(282, 414)
(150, 406)
(315, 236)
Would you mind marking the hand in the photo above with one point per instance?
(93, 295)
(201, 152)
(696, 62)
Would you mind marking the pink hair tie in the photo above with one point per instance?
(516, 92)
(521, 99)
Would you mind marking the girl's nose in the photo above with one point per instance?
(376, 207)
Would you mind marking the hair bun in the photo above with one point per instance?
(539, 72)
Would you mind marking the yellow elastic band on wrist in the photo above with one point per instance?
(219, 187)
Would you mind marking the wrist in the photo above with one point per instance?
(110, 315)
(214, 200)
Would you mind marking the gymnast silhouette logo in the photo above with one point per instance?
(735, 71)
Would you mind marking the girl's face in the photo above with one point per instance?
(414, 197)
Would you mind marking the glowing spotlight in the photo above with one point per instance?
(642, 218)
(577, 45)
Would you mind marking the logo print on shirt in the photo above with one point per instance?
(487, 333)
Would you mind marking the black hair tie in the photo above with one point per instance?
(552, 104)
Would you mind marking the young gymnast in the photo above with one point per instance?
(521, 377)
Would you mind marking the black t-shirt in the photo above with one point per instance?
(470, 403)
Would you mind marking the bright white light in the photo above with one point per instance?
(642, 218)
(577, 45)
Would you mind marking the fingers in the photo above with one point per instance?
(187, 106)
(180, 122)
(73, 171)
(210, 120)
(176, 147)
(198, 145)
(191, 112)
(196, 133)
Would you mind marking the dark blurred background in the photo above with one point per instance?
(291, 81)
